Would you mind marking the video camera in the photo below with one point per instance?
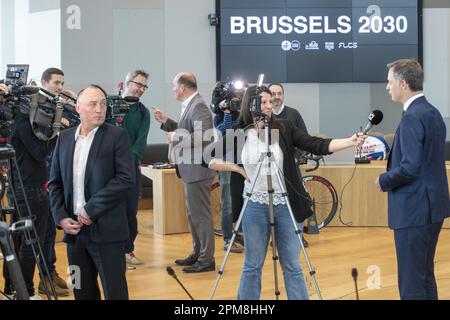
(45, 111)
(232, 92)
(118, 106)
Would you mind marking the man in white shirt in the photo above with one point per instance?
(90, 177)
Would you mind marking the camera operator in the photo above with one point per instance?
(282, 111)
(31, 155)
(223, 120)
(52, 80)
(137, 124)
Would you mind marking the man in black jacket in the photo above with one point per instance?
(90, 177)
(284, 112)
(31, 155)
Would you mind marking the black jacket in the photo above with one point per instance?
(31, 153)
(108, 177)
(290, 138)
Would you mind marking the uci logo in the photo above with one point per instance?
(350, 45)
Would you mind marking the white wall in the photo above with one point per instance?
(36, 39)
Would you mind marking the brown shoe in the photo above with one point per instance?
(59, 291)
(58, 281)
(235, 248)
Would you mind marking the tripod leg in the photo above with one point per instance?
(272, 227)
(31, 237)
(235, 230)
(12, 263)
(312, 272)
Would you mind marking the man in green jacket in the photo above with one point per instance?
(137, 124)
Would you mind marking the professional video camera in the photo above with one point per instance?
(118, 106)
(231, 92)
(46, 111)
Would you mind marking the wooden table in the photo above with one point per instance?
(362, 204)
(169, 209)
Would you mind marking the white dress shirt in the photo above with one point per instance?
(80, 156)
(279, 111)
(186, 102)
(411, 100)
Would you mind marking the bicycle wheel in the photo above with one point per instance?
(324, 197)
(216, 203)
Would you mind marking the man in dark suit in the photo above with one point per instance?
(91, 174)
(281, 111)
(416, 182)
(186, 151)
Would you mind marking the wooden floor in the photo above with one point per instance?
(333, 253)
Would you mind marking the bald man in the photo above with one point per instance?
(90, 177)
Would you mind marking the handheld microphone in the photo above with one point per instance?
(171, 273)
(375, 118)
(355, 278)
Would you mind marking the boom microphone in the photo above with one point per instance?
(375, 119)
(171, 273)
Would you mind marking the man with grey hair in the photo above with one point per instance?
(416, 182)
(186, 137)
(137, 124)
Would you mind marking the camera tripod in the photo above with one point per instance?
(24, 225)
(268, 155)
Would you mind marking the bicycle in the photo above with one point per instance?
(321, 192)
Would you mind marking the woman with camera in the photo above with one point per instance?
(283, 139)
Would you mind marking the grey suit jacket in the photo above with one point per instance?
(189, 143)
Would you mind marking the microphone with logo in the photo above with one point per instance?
(355, 278)
(375, 118)
(171, 273)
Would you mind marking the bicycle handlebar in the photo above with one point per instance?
(311, 157)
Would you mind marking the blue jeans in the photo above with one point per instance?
(226, 212)
(256, 227)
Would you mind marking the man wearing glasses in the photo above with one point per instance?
(137, 124)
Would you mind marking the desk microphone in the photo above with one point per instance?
(355, 278)
(171, 273)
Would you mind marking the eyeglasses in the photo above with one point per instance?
(140, 85)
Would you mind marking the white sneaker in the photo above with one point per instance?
(36, 297)
(132, 259)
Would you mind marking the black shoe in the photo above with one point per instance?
(198, 267)
(305, 243)
(189, 261)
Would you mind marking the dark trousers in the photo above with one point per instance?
(48, 249)
(416, 248)
(132, 209)
(200, 219)
(89, 260)
(38, 202)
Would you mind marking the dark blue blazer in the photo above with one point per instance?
(109, 175)
(416, 178)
